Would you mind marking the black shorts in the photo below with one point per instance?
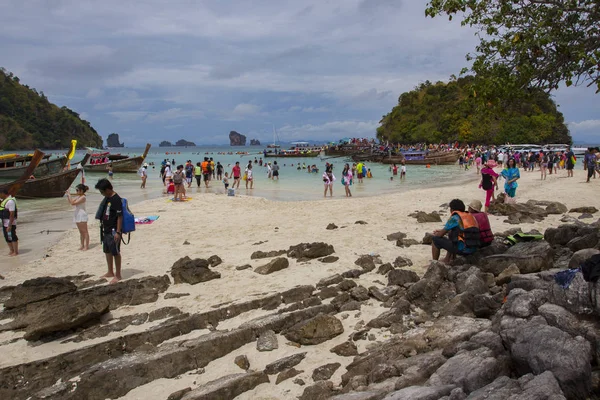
(275, 173)
(110, 246)
(591, 171)
(570, 166)
(207, 177)
(13, 232)
(445, 244)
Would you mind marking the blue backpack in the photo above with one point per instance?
(128, 225)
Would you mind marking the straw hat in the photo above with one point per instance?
(475, 205)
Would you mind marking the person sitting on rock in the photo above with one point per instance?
(463, 234)
(486, 236)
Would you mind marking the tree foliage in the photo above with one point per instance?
(523, 43)
(28, 120)
(449, 112)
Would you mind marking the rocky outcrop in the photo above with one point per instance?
(274, 265)
(186, 270)
(236, 139)
(113, 141)
(165, 143)
(315, 330)
(227, 387)
(424, 217)
(254, 142)
(309, 251)
(185, 143)
(37, 289)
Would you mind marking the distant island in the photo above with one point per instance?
(113, 141)
(28, 120)
(180, 142)
(236, 139)
(254, 142)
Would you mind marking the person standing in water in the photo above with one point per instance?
(80, 217)
(249, 176)
(143, 175)
(275, 172)
(328, 179)
(347, 179)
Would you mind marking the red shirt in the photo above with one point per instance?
(236, 171)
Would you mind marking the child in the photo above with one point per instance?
(369, 174)
(226, 181)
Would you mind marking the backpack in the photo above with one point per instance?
(128, 224)
(487, 183)
(591, 268)
(177, 178)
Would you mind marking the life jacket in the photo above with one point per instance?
(485, 231)
(205, 167)
(469, 234)
(4, 213)
(197, 170)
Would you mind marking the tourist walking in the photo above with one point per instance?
(80, 216)
(590, 163)
(570, 162)
(219, 171)
(347, 179)
(8, 214)
(511, 175)
(236, 173)
(489, 183)
(198, 173)
(143, 175)
(168, 174)
(328, 179)
(110, 213)
(543, 165)
(206, 171)
(178, 179)
(189, 172)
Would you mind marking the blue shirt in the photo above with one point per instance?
(454, 222)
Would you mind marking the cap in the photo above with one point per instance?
(475, 205)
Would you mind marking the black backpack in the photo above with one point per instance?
(590, 268)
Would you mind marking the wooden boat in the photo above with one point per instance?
(14, 169)
(14, 187)
(99, 153)
(292, 154)
(129, 164)
(424, 158)
(347, 149)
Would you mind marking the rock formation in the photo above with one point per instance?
(113, 141)
(185, 143)
(236, 139)
(165, 143)
(254, 142)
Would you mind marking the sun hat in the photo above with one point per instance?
(475, 205)
(145, 164)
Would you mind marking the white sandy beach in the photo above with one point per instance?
(230, 227)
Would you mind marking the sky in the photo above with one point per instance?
(315, 70)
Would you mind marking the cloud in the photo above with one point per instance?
(328, 130)
(245, 110)
(128, 116)
(585, 125)
(173, 114)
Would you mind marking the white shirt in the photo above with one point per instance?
(403, 169)
(168, 172)
(10, 206)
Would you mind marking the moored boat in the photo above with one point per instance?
(14, 168)
(14, 187)
(129, 164)
(298, 150)
(424, 158)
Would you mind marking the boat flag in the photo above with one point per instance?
(71, 152)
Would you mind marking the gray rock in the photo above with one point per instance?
(346, 349)
(267, 341)
(420, 393)
(321, 390)
(563, 234)
(385, 268)
(242, 362)
(417, 369)
(392, 316)
(366, 262)
(529, 257)
(471, 282)
(400, 262)
(368, 395)
(585, 216)
(521, 304)
(580, 298)
(214, 260)
(227, 387)
(186, 270)
(274, 265)
(315, 330)
(331, 226)
(361, 222)
(243, 267)
(556, 208)
(37, 289)
(329, 259)
(580, 256)
(324, 372)
(175, 295)
(406, 242)
(584, 210)
(583, 242)
(351, 306)
(561, 318)
(396, 236)
(471, 369)
(485, 305)
(542, 386)
(261, 254)
(299, 382)
(462, 304)
(359, 293)
(284, 363)
(346, 285)
(328, 292)
(423, 217)
(352, 274)
(330, 280)
(381, 294)
(427, 239)
(505, 276)
(179, 394)
(400, 277)
(287, 374)
(309, 251)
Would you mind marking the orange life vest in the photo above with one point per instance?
(469, 234)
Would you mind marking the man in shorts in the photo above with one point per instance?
(590, 163)
(569, 162)
(110, 213)
(463, 234)
(8, 211)
(206, 174)
(236, 174)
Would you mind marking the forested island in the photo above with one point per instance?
(180, 142)
(448, 112)
(28, 120)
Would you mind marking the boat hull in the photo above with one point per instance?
(292, 155)
(128, 165)
(47, 187)
(44, 168)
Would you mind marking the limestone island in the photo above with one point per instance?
(113, 141)
(236, 139)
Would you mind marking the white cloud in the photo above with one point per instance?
(245, 109)
(173, 114)
(329, 130)
(128, 116)
(315, 109)
(585, 125)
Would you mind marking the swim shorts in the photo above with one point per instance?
(110, 246)
(13, 232)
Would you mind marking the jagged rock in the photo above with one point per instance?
(580, 256)
(346, 349)
(561, 318)
(236, 139)
(523, 304)
(179, 394)
(556, 208)
(162, 313)
(297, 293)
(583, 242)
(325, 372)
(471, 281)
(113, 140)
(274, 265)
(284, 363)
(329, 259)
(346, 285)
(427, 239)
(580, 298)
(400, 262)
(175, 295)
(330, 280)
(385, 268)
(584, 210)
(485, 305)
(366, 262)
(538, 348)
(396, 236)
(359, 293)
(38, 289)
(328, 292)
(186, 270)
(518, 213)
(505, 276)
(352, 274)
(585, 216)
(406, 242)
(420, 393)
(426, 289)
(315, 330)
(401, 277)
(528, 387)
(351, 306)
(381, 294)
(361, 222)
(529, 257)
(394, 315)
(227, 387)
(243, 267)
(287, 374)
(423, 217)
(471, 369)
(214, 260)
(309, 251)
(267, 341)
(565, 233)
(321, 390)
(331, 226)
(299, 382)
(242, 362)
(368, 395)
(261, 254)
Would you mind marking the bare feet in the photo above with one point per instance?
(81, 248)
(108, 275)
(115, 280)
(13, 254)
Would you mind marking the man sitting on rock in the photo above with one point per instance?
(463, 234)
(486, 236)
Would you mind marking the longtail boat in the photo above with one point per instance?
(424, 158)
(14, 167)
(14, 187)
(129, 164)
(299, 150)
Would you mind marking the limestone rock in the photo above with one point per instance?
(309, 251)
(37, 289)
(330, 280)
(179, 394)
(243, 267)
(284, 363)
(385, 268)
(394, 315)
(565, 233)
(584, 210)
(242, 362)
(287, 374)
(529, 257)
(400, 277)
(359, 293)
(315, 330)
(366, 262)
(329, 259)
(420, 393)
(423, 217)
(267, 341)
(175, 295)
(186, 270)
(227, 387)
(274, 265)
(580, 298)
(400, 262)
(353, 273)
(325, 372)
(392, 237)
(261, 254)
(346, 349)
(321, 390)
(214, 260)
(556, 208)
(331, 226)
(583, 242)
(406, 242)
(504, 276)
(236, 139)
(361, 222)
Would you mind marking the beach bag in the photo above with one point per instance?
(177, 178)
(128, 224)
(487, 183)
(245, 177)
